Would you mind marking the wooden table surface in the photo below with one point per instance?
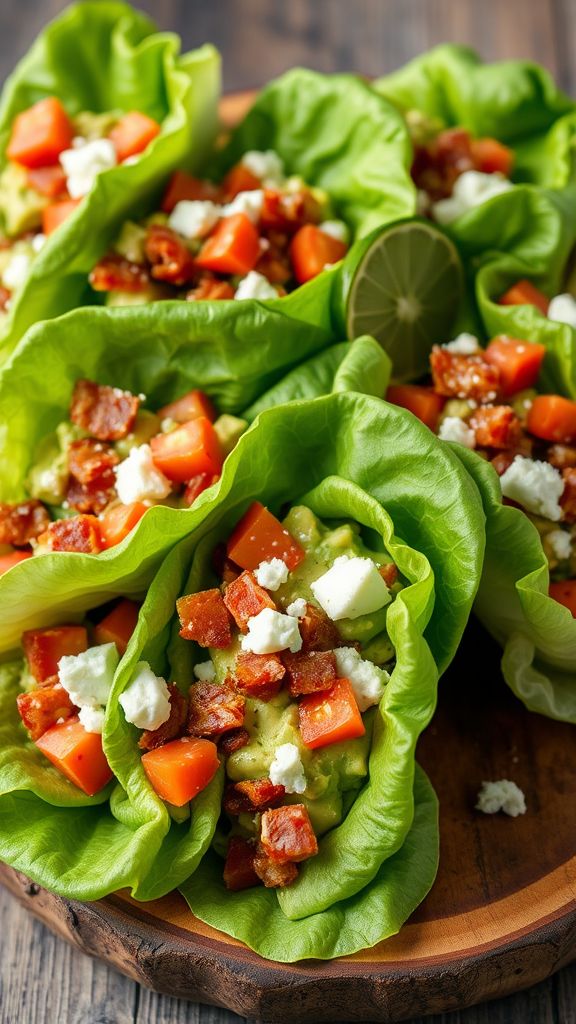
(43, 981)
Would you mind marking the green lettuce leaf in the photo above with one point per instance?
(102, 55)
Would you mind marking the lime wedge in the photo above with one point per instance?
(403, 285)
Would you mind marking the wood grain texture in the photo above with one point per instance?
(42, 980)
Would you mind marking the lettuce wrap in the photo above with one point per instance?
(102, 57)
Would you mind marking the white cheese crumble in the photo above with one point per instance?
(336, 229)
(368, 681)
(452, 428)
(194, 218)
(297, 608)
(39, 241)
(87, 677)
(471, 189)
(17, 270)
(266, 165)
(84, 163)
(205, 671)
(563, 309)
(351, 587)
(560, 543)
(138, 479)
(92, 719)
(464, 344)
(271, 631)
(146, 700)
(248, 203)
(255, 286)
(503, 795)
(272, 574)
(287, 769)
(537, 486)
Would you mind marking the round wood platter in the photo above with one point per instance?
(500, 917)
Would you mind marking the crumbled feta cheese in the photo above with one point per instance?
(271, 631)
(351, 587)
(92, 719)
(471, 189)
(297, 608)
(145, 701)
(266, 165)
(368, 681)
(255, 286)
(249, 203)
(84, 163)
(17, 270)
(336, 229)
(563, 309)
(537, 486)
(452, 428)
(138, 479)
(560, 543)
(194, 218)
(87, 677)
(464, 344)
(39, 241)
(205, 671)
(272, 574)
(287, 769)
(503, 795)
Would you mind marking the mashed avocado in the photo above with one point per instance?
(48, 476)
(20, 206)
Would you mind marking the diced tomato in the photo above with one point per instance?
(565, 593)
(232, 248)
(132, 134)
(239, 179)
(209, 287)
(117, 627)
(258, 675)
(11, 559)
(170, 258)
(552, 418)
(239, 870)
(251, 796)
(287, 834)
(41, 709)
(40, 134)
(233, 740)
(172, 727)
(197, 485)
(48, 181)
(245, 598)
(458, 376)
(188, 451)
(318, 632)
(43, 648)
(204, 618)
(568, 498)
(182, 186)
(114, 273)
(56, 213)
(214, 708)
(310, 671)
(330, 716)
(289, 211)
(104, 412)
(311, 250)
(389, 574)
(518, 362)
(80, 533)
(179, 770)
(22, 522)
(496, 426)
(491, 157)
(424, 403)
(77, 754)
(117, 522)
(258, 537)
(190, 407)
(524, 293)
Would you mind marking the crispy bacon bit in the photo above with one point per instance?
(41, 709)
(274, 263)
(318, 632)
(214, 708)
(288, 211)
(171, 260)
(287, 834)
(562, 456)
(232, 741)
(389, 574)
(88, 497)
(80, 533)
(252, 796)
(457, 376)
(496, 426)
(245, 598)
(21, 523)
(209, 287)
(437, 165)
(204, 618)
(43, 648)
(173, 727)
(310, 671)
(568, 499)
(258, 675)
(502, 461)
(273, 874)
(92, 483)
(104, 412)
(114, 273)
(239, 870)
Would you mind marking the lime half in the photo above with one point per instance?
(403, 285)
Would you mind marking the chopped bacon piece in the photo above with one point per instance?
(172, 727)
(104, 412)
(568, 499)
(562, 456)
(23, 522)
(289, 211)
(43, 648)
(318, 632)
(251, 796)
(273, 874)
(239, 870)
(93, 484)
(274, 263)
(258, 675)
(204, 618)
(310, 671)
(287, 834)
(437, 165)
(457, 376)
(41, 709)
(89, 497)
(245, 598)
(233, 740)
(114, 273)
(80, 533)
(214, 708)
(171, 259)
(496, 426)
(389, 573)
(209, 287)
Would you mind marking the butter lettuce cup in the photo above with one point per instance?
(82, 143)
